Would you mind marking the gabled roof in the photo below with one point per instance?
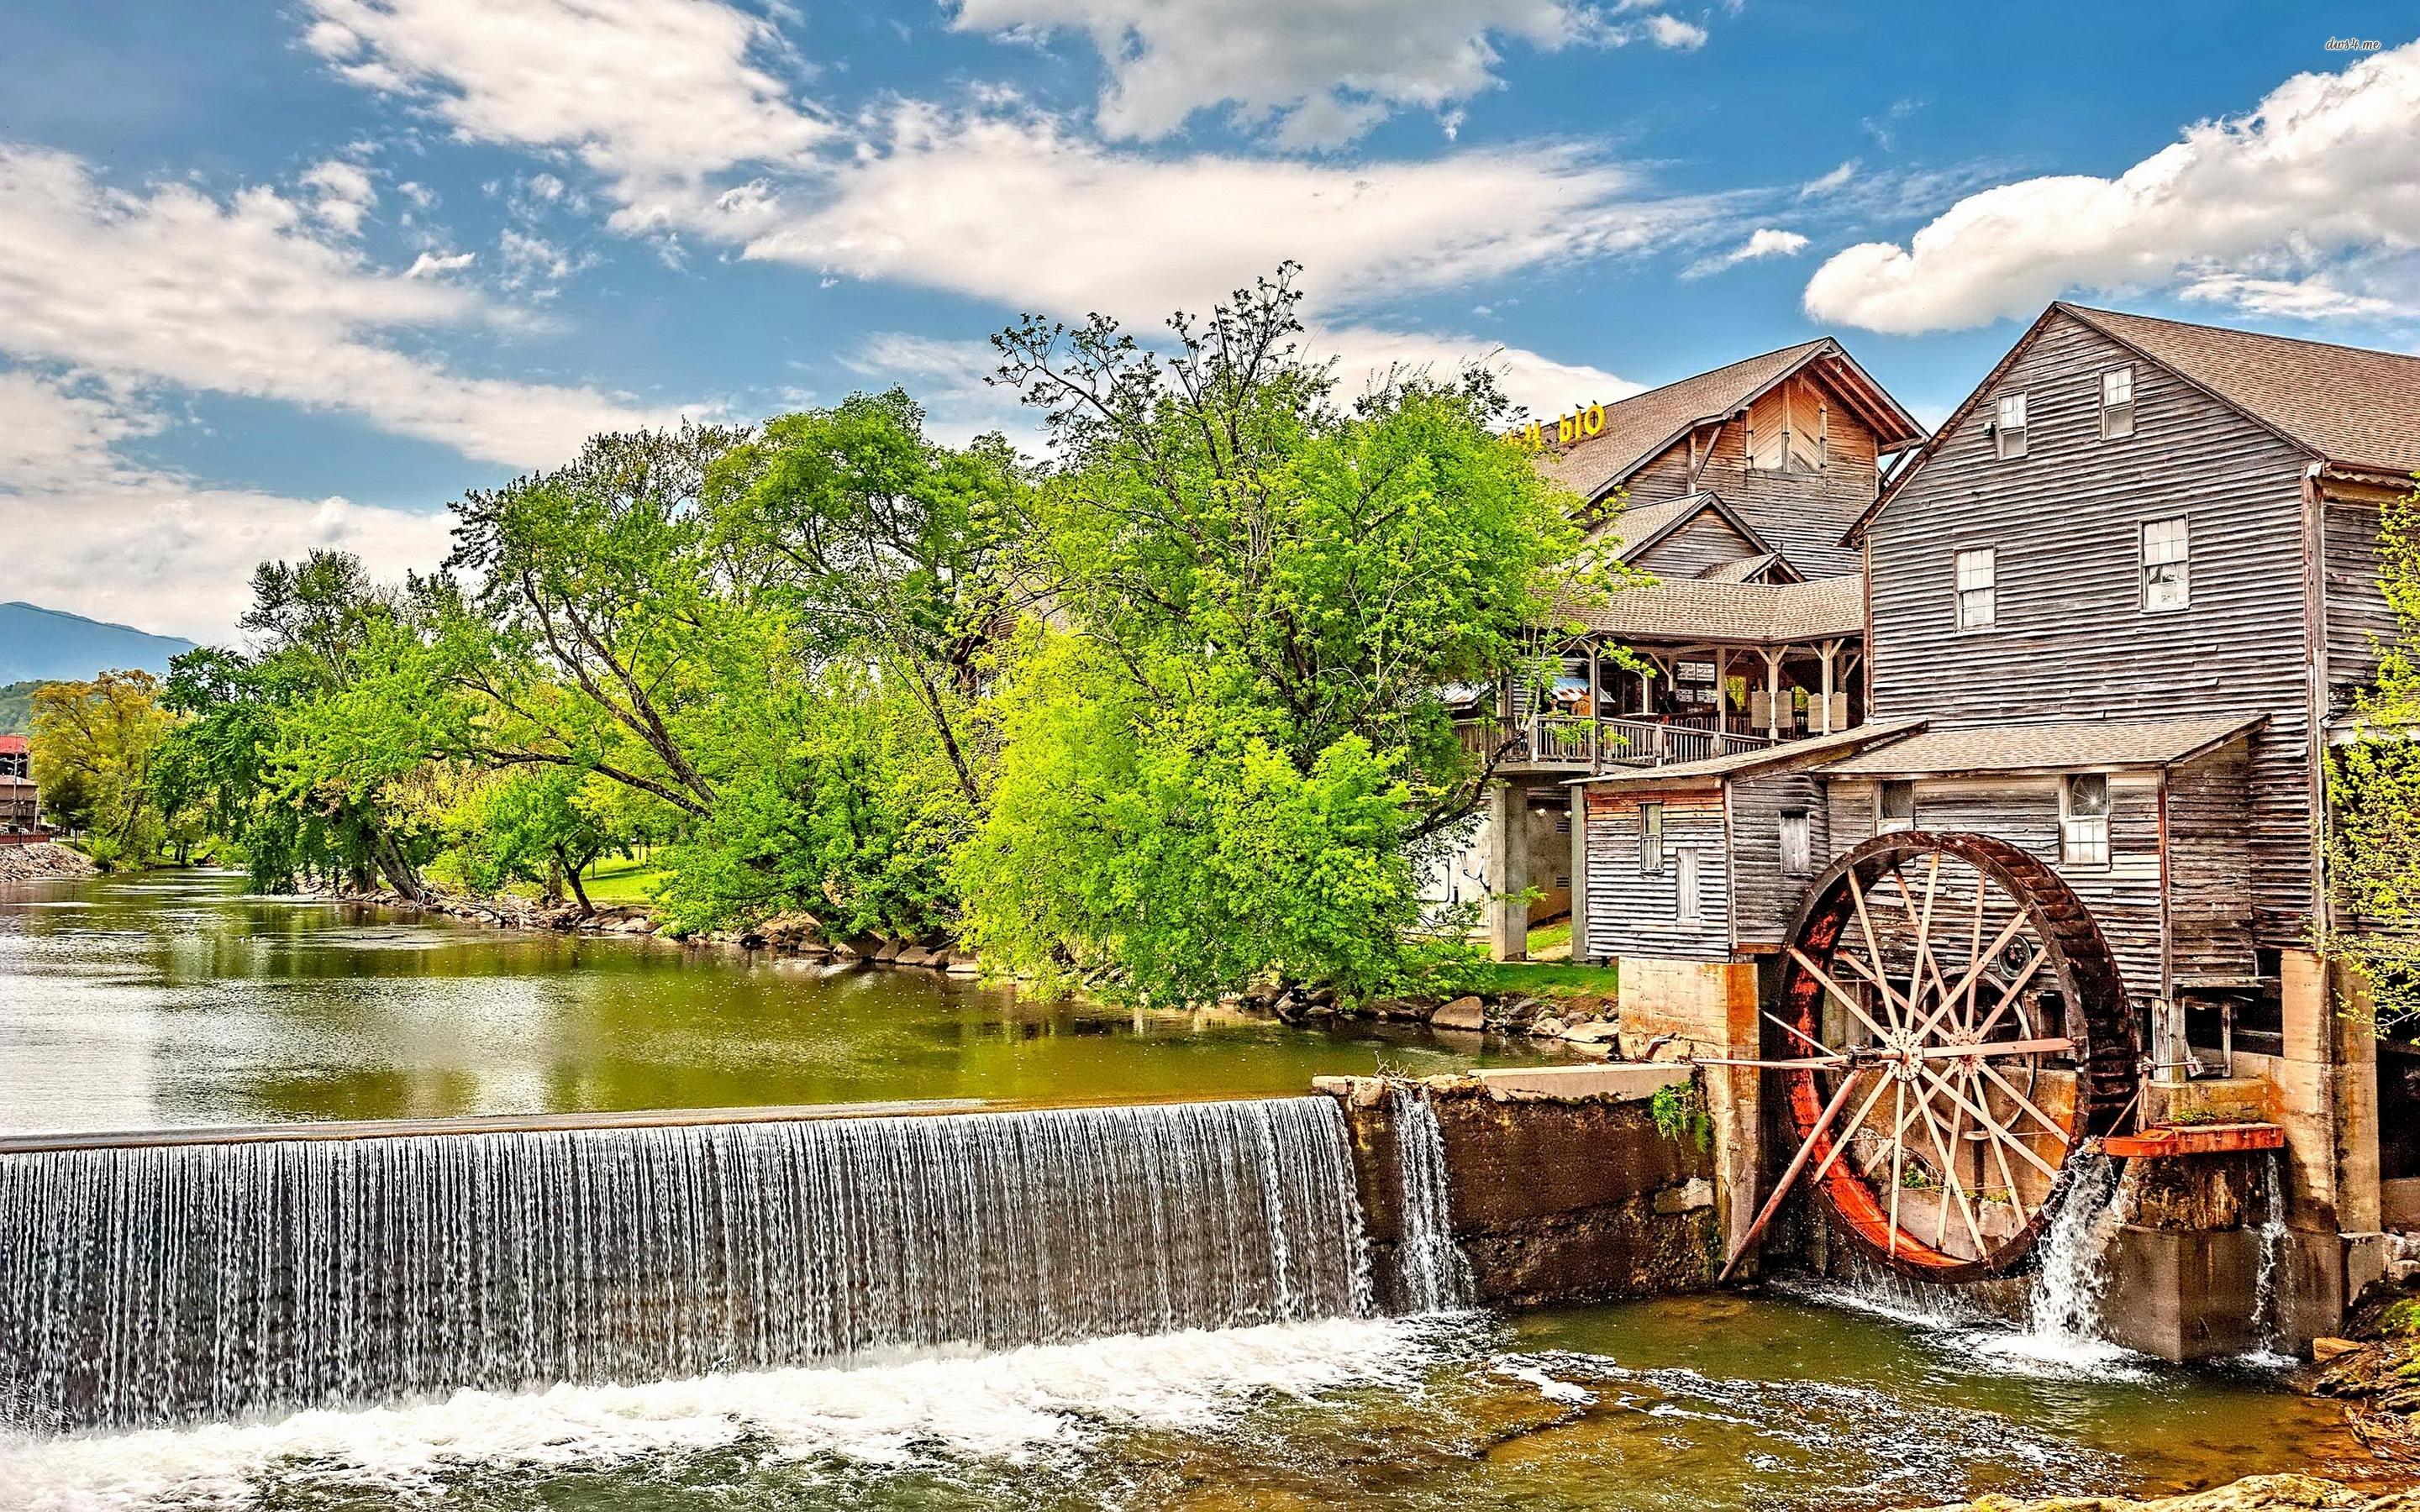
(1638, 528)
(1752, 569)
(1748, 763)
(1642, 428)
(2347, 404)
(1699, 612)
(2074, 744)
(14, 745)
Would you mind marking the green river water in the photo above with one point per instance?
(131, 1003)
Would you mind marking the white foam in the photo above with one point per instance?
(1015, 1406)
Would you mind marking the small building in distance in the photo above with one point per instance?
(21, 806)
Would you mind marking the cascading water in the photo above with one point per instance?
(2267, 1312)
(1432, 1272)
(2065, 1307)
(173, 1283)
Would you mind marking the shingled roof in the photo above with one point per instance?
(1641, 426)
(2075, 745)
(1707, 611)
(2348, 404)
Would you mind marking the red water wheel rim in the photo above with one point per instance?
(1970, 1034)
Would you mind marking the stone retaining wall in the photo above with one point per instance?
(1563, 1188)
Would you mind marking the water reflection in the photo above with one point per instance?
(179, 999)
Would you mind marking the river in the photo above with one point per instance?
(135, 1002)
(176, 998)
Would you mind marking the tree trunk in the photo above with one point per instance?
(571, 873)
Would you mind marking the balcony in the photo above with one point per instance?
(1580, 744)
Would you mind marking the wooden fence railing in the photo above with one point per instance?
(1594, 744)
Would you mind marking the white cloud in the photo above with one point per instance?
(1015, 210)
(1542, 385)
(650, 94)
(344, 193)
(242, 297)
(1671, 31)
(2326, 166)
(94, 533)
(1830, 183)
(1323, 71)
(436, 265)
(2300, 299)
(1762, 242)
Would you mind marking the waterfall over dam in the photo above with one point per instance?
(178, 1282)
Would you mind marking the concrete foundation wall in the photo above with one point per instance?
(1562, 1187)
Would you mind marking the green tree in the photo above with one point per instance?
(885, 546)
(1273, 593)
(94, 746)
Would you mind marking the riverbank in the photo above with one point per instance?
(2257, 1493)
(44, 861)
(1574, 1006)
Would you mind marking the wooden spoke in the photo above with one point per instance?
(1873, 949)
(2052, 1126)
(1995, 1047)
(1942, 1085)
(1839, 992)
(1898, 1156)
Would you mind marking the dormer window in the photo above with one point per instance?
(2117, 404)
(2008, 426)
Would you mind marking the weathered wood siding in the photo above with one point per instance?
(2124, 897)
(2072, 640)
(1630, 913)
(2209, 866)
(1802, 514)
(2359, 622)
(1764, 899)
(1707, 540)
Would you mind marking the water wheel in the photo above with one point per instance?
(1957, 1030)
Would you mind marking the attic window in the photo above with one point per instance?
(2008, 426)
(2117, 404)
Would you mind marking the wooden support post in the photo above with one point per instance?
(1579, 874)
(1508, 872)
(1831, 648)
(1773, 695)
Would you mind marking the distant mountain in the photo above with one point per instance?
(49, 645)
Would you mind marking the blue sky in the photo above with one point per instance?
(279, 276)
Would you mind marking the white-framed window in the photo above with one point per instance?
(2117, 403)
(1979, 589)
(2008, 426)
(1797, 846)
(1651, 839)
(2168, 564)
(1894, 806)
(1685, 866)
(2084, 821)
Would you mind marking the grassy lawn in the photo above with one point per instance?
(1545, 979)
(620, 880)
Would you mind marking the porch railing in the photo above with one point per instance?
(1592, 744)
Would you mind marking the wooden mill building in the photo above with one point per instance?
(1737, 490)
(2115, 611)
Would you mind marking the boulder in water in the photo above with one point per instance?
(1462, 1013)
